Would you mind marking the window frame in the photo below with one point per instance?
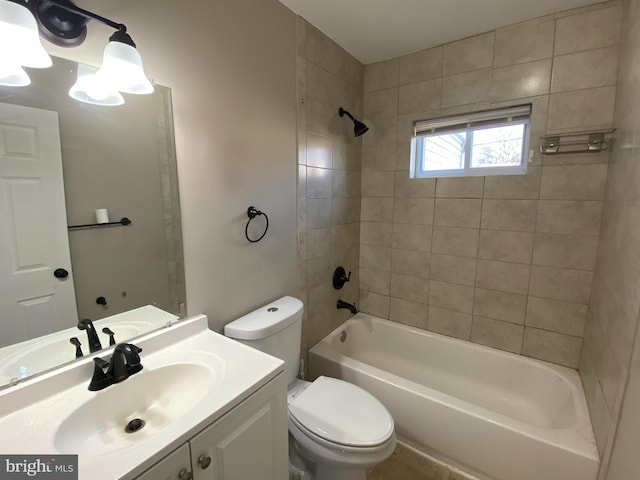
(470, 123)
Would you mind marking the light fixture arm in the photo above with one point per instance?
(86, 13)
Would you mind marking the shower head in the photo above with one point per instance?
(358, 127)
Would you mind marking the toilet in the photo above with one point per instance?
(339, 429)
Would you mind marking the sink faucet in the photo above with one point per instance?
(350, 307)
(92, 335)
(125, 362)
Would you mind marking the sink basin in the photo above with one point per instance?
(158, 397)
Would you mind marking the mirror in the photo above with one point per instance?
(121, 159)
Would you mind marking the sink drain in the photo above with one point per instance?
(134, 425)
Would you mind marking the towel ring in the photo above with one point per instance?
(253, 212)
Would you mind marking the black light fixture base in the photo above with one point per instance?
(59, 25)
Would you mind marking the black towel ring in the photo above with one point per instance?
(253, 212)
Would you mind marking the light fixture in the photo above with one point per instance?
(65, 24)
(92, 88)
(358, 127)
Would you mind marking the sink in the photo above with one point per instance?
(158, 397)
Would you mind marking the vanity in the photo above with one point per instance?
(203, 406)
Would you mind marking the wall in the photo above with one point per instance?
(231, 68)
(329, 159)
(612, 323)
(505, 261)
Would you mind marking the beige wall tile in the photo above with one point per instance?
(520, 81)
(419, 97)
(468, 54)
(346, 183)
(594, 68)
(449, 268)
(502, 276)
(318, 243)
(449, 322)
(318, 212)
(412, 237)
(378, 184)
(319, 183)
(374, 304)
(381, 75)
(319, 151)
(408, 312)
(379, 158)
(514, 187)
(409, 262)
(376, 234)
(508, 307)
(512, 215)
(524, 43)
(451, 296)
(416, 211)
(552, 347)
(460, 187)
(497, 334)
(422, 65)
(411, 288)
(377, 209)
(376, 258)
(573, 182)
(561, 317)
(382, 130)
(560, 284)
(582, 109)
(346, 156)
(319, 271)
(302, 214)
(567, 251)
(455, 241)
(457, 212)
(381, 103)
(597, 29)
(375, 281)
(506, 246)
(345, 210)
(318, 297)
(414, 187)
(465, 88)
(573, 217)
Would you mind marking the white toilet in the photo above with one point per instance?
(341, 429)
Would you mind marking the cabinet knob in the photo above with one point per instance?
(185, 475)
(204, 462)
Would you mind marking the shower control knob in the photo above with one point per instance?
(340, 278)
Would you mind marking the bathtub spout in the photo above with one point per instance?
(351, 308)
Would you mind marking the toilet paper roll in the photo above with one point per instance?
(102, 215)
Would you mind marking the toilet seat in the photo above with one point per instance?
(341, 415)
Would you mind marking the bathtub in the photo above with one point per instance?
(492, 414)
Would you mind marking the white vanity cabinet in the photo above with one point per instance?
(248, 442)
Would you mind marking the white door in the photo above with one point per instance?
(33, 227)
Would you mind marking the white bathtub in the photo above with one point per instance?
(493, 414)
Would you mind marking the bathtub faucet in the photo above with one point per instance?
(351, 308)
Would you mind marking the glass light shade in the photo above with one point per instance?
(13, 76)
(92, 88)
(122, 68)
(19, 40)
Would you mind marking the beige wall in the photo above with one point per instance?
(328, 179)
(231, 67)
(505, 261)
(611, 328)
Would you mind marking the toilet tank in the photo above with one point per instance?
(275, 329)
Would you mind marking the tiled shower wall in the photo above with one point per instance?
(615, 301)
(505, 261)
(329, 159)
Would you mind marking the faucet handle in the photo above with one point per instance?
(76, 342)
(100, 379)
(112, 336)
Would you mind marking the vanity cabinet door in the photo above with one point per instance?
(175, 466)
(248, 443)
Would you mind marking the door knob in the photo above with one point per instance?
(60, 273)
(204, 462)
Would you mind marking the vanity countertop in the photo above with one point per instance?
(191, 377)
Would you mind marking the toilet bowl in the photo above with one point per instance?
(339, 429)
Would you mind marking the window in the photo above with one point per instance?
(492, 142)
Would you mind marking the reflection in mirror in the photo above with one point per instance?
(65, 163)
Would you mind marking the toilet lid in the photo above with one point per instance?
(342, 413)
